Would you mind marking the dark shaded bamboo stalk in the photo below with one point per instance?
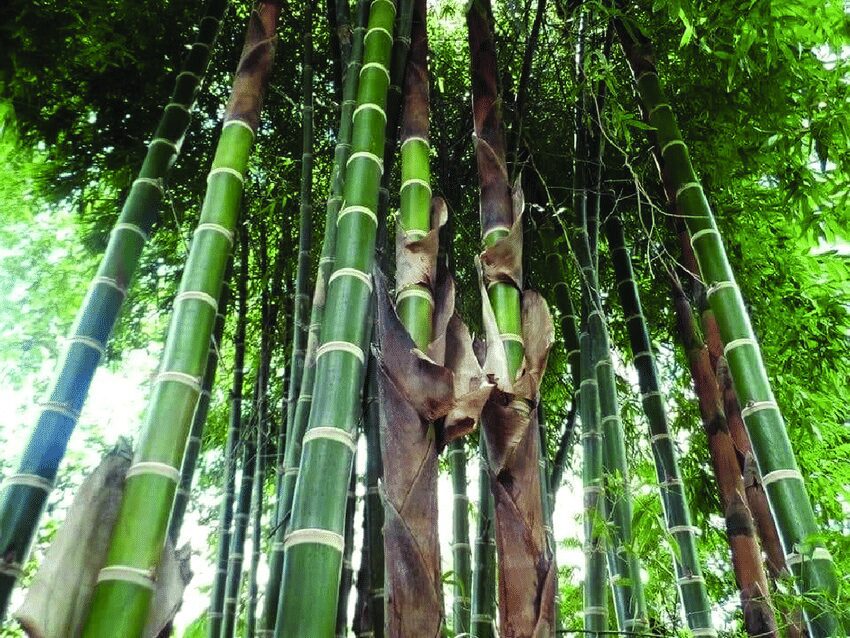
(314, 543)
(374, 508)
(677, 511)
(292, 456)
(347, 578)
(740, 532)
(810, 561)
(483, 610)
(214, 615)
(361, 624)
(461, 551)
(23, 494)
(124, 590)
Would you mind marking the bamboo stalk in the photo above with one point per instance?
(483, 612)
(677, 511)
(789, 501)
(292, 457)
(123, 593)
(314, 541)
(347, 567)
(461, 554)
(23, 495)
(214, 615)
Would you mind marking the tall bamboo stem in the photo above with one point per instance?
(461, 554)
(123, 593)
(483, 612)
(23, 495)
(314, 541)
(789, 501)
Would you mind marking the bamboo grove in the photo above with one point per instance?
(566, 415)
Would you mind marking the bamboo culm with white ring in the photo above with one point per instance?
(314, 541)
(810, 562)
(125, 585)
(301, 408)
(674, 501)
(23, 495)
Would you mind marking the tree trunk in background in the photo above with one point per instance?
(214, 615)
(519, 333)
(810, 561)
(677, 511)
(23, 494)
(292, 456)
(314, 543)
(123, 593)
(746, 556)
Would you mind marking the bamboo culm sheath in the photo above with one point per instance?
(789, 501)
(314, 542)
(301, 408)
(23, 495)
(125, 585)
(677, 513)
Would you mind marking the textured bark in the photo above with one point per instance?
(740, 531)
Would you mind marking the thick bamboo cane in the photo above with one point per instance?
(314, 543)
(24, 493)
(125, 585)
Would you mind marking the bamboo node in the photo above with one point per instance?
(226, 170)
(718, 286)
(109, 281)
(703, 233)
(686, 186)
(757, 406)
(28, 480)
(704, 631)
(155, 467)
(242, 123)
(658, 107)
(781, 475)
(379, 29)
(314, 536)
(737, 343)
(150, 181)
(415, 180)
(216, 228)
(389, 2)
(672, 143)
(682, 529)
(422, 293)
(60, 408)
(648, 395)
(369, 106)
(179, 377)
(495, 229)
(94, 344)
(357, 209)
(415, 138)
(330, 433)
(512, 336)
(197, 295)
(658, 437)
(366, 278)
(133, 228)
(162, 140)
(127, 574)
(366, 155)
(690, 580)
(199, 43)
(190, 74)
(375, 65)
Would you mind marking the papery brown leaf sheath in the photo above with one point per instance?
(255, 65)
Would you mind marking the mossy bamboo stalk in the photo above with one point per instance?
(677, 513)
(461, 551)
(810, 561)
(123, 593)
(314, 540)
(483, 610)
(740, 531)
(374, 507)
(214, 615)
(199, 420)
(24, 493)
(292, 454)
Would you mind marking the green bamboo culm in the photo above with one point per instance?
(216, 609)
(314, 541)
(305, 214)
(125, 585)
(347, 578)
(810, 562)
(24, 493)
(483, 611)
(677, 512)
(461, 554)
(292, 452)
(199, 420)
(374, 506)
